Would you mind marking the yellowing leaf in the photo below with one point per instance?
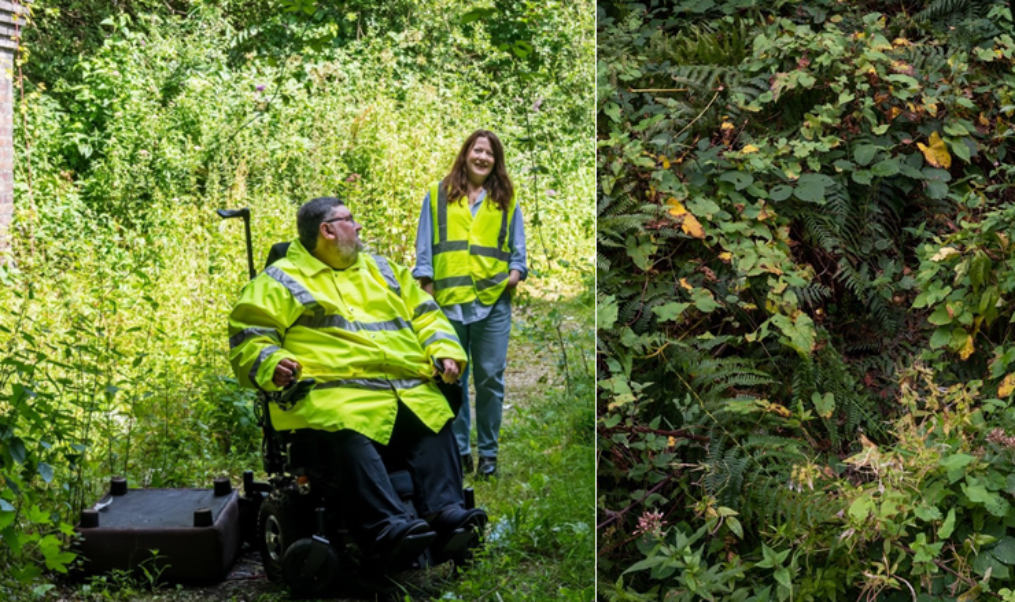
(944, 253)
(936, 153)
(683, 283)
(676, 207)
(665, 161)
(726, 256)
(967, 349)
(776, 408)
(901, 42)
(690, 224)
(749, 148)
(727, 126)
(671, 441)
(692, 227)
(1007, 386)
(895, 112)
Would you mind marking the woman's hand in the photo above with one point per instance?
(513, 279)
(427, 285)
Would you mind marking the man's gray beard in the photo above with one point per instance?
(349, 253)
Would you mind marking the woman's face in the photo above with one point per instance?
(480, 161)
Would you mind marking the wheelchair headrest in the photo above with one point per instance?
(278, 251)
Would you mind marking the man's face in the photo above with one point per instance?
(341, 231)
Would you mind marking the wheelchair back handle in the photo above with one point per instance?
(245, 214)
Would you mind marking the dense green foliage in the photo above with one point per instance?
(805, 298)
(138, 119)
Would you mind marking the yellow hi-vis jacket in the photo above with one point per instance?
(470, 255)
(367, 334)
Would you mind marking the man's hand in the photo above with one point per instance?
(285, 372)
(451, 371)
(513, 279)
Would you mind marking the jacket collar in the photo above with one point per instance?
(309, 265)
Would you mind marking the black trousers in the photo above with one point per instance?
(360, 475)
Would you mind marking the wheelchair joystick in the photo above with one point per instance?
(294, 392)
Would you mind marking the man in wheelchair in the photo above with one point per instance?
(374, 344)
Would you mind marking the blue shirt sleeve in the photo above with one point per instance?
(516, 242)
(424, 238)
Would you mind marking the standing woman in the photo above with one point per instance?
(470, 255)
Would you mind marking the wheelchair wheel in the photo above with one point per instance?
(276, 531)
(295, 573)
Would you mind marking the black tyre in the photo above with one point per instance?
(278, 526)
(321, 581)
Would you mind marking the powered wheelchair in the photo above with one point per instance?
(293, 517)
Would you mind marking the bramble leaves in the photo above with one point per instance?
(850, 294)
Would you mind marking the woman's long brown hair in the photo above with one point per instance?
(498, 185)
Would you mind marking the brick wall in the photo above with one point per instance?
(8, 46)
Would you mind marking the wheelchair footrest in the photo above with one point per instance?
(410, 547)
(459, 540)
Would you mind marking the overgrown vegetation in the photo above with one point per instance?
(139, 119)
(805, 292)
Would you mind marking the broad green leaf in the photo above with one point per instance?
(648, 563)
(927, 513)
(958, 146)
(27, 573)
(824, 404)
(863, 176)
(1005, 550)
(612, 111)
(863, 154)
(979, 269)
(885, 169)
(740, 179)
(946, 528)
(811, 187)
(782, 576)
(861, 507)
(734, 524)
(17, 449)
(606, 312)
(670, 311)
(800, 333)
(704, 300)
(780, 192)
(46, 472)
(940, 316)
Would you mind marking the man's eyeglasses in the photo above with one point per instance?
(349, 219)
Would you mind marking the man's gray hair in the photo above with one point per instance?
(310, 216)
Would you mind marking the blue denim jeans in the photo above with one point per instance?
(486, 344)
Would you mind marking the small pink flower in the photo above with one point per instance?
(353, 178)
(260, 87)
(651, 523)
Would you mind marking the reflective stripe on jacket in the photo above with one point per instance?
(470, 254)
(368, 334)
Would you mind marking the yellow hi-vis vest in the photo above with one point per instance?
(470, 255)
(367, 334)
